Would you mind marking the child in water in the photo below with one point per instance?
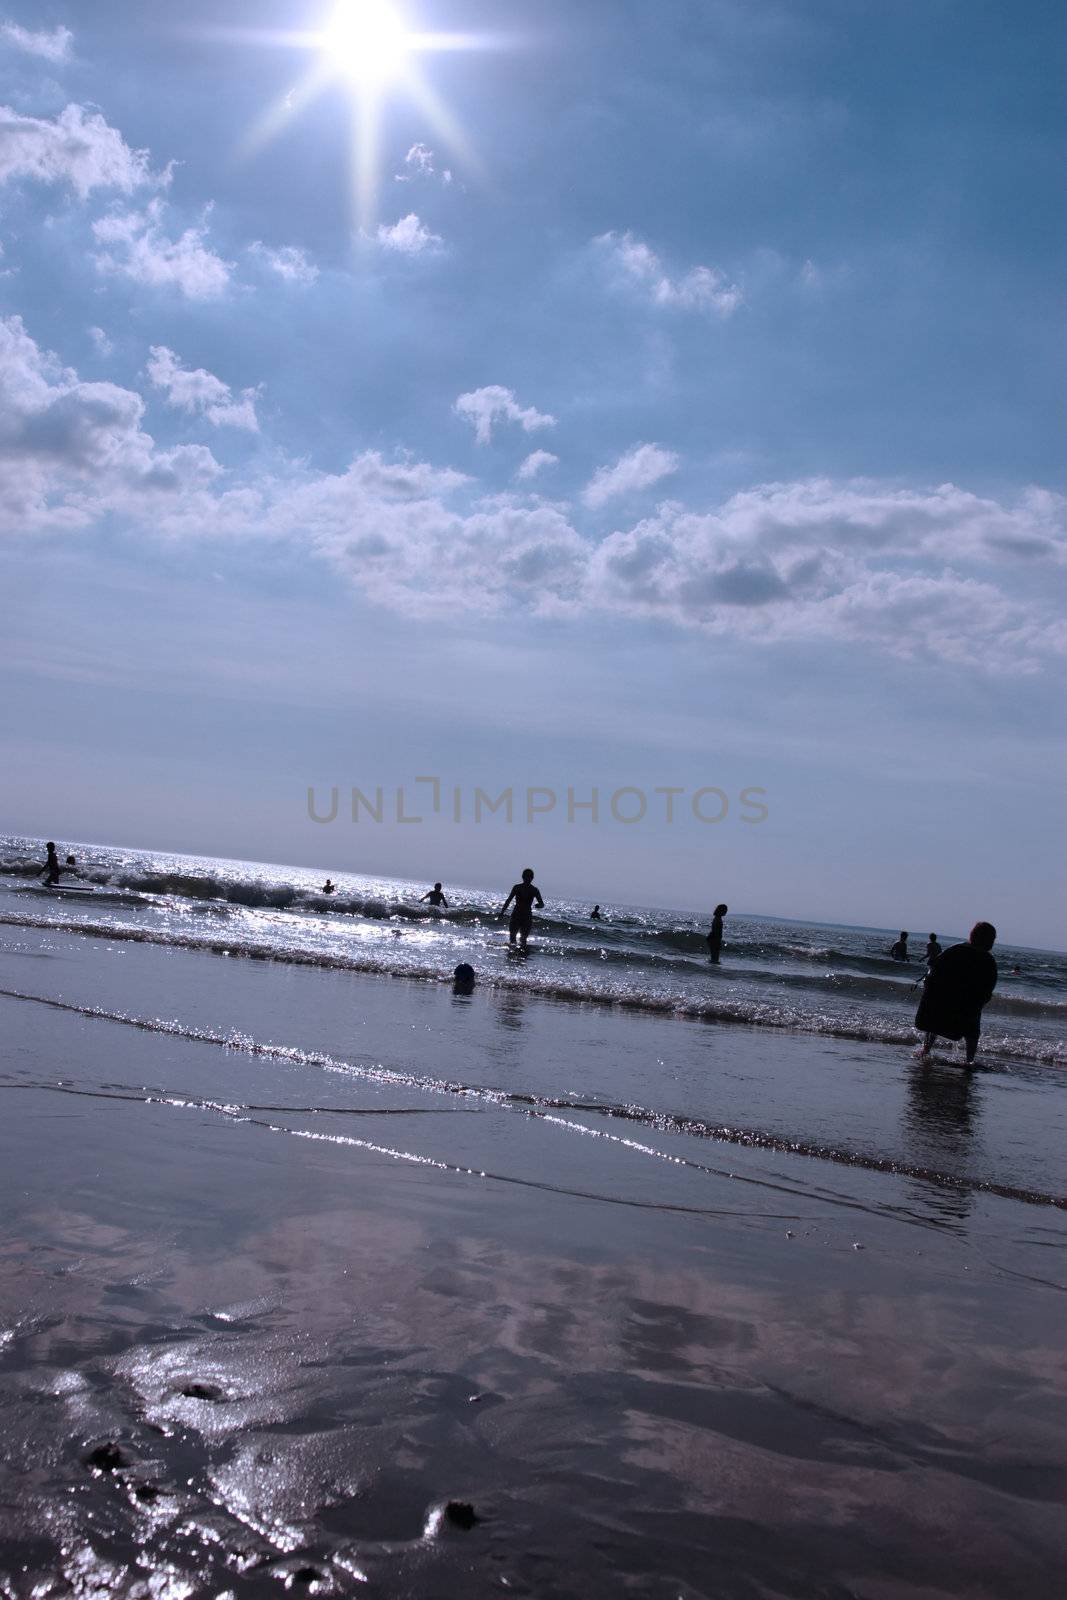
(524, 895)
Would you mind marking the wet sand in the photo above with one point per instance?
(262, 1319)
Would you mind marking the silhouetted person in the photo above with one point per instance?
(715, 934)
(72, 861)
(594, 915)
(51, 869)
(899, 951)
(435, 896)
(524, 894)
(463, 978)
(329, 887)
(933, 949)
(958, 985)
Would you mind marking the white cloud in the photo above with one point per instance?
(482, 408)
(535, 462)
(136, 247)
(932, 574)
(78, 147)
(636, 264)
(53, 45)
(71, 452)
(639, 468)
(197, 391)
(288, 261)
(822, 560)
(419, 163)
(101, 343)
(408, 236)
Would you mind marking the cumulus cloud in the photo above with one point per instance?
(483, 408)
(135, 246)
(290, 262)
(535, 462)
(639, 468)
(408, 237)
(78, 147)
(635, 264)
(419, 163)
(51, 44)
(391, 529)
(199, 392)
(822, 559)
(936, 574)
(72, 452)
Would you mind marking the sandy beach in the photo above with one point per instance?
(270, 1307)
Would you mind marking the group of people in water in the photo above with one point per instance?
(958, 983)
(899, 950)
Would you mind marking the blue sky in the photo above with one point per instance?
(682, 404)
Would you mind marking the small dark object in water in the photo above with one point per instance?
(461, 1514)
(307, 1575)
(463, 978)
(202, 1391)
(147, 1491)
(106, 1457)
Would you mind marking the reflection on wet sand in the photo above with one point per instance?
(943, 1111)
(302, 1400)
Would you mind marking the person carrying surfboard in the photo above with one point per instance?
(524, 894)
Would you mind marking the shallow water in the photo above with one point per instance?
(811, 977)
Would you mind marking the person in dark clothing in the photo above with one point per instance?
(329, 887)
(933, 949)
(899, 951)
(959, 983)
(715, 934)
(51, 869)
(594, 915)
(524, 895)
(435, 896)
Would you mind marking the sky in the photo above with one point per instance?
(538, 397)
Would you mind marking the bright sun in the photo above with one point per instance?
(367, 40)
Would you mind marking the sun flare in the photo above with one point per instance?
(367, 41)
(374, 50)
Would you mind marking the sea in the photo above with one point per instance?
(775, 973)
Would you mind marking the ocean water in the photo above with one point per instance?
(812, 978)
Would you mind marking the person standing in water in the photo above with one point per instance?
(715, 934)
(328, 887)
(435, 896)
(51, 869)
(524, 894)
(594, 915)
(960, 982)
(899, 951)
(933, 950)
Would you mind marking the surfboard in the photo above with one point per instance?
(68, 888)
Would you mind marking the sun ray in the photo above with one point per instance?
(273, 120)
(369, 46)
(440, 117)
